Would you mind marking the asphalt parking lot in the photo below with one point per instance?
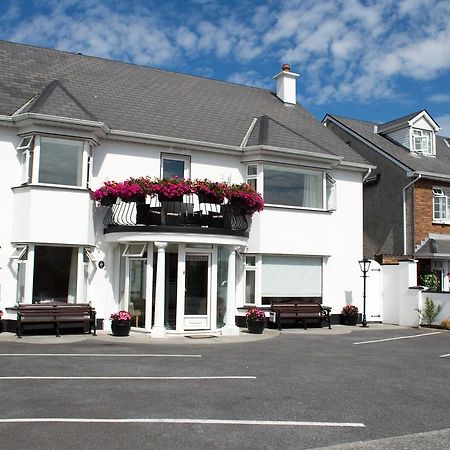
(294, 390)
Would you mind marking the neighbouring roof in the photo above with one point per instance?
(434, 247)
(400, 121)
(140, 99)
(439, 164)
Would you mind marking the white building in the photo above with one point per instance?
(69, 122)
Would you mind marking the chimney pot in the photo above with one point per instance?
(286, 68)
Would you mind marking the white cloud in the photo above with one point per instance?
(439, 98)
(352, 50)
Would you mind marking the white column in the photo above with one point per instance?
(159, 329)
(149, 288)
(230, 328)
(29, 275)
(181, 287)
(80, 294)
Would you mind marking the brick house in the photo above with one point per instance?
(407, 198)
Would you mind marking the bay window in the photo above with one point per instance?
(296, 187)
(55, 161)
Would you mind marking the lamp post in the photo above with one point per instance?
(364, 265)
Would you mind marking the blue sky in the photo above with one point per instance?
(372, 60)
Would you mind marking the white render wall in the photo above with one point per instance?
(336, 236)
(67, 217)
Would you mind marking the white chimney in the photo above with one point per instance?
(286, 84)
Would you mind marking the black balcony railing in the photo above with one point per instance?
(191, 214)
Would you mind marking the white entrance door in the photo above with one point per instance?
(197, 297)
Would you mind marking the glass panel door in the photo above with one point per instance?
(196, 300)
(136, 293)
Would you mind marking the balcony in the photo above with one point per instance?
(189, 215)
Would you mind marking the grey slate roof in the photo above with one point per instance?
(439, 164)
(399, 121)
(433, 246)
(134, 98)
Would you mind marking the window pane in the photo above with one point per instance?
(173, 168)
(252, 169)
(55, 274)
(253, 183)
(250, 261)
(292, 187)
(291, 276)
(249, 286)
(60, 162)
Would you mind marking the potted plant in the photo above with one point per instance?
(121, 323)
(255, 320)
(210, 191)
(349, 315)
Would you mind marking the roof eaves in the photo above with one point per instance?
(369, 143)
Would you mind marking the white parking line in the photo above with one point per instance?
(284, 423)
(132, 378)
(105, 355)
(396, 338)
(445, 356)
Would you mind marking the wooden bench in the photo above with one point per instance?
(297, 310)
(56, 314)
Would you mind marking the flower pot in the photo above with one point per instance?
(135, 199)
(108, 200)
(120, 327)
(208, 198)
(349, 320)
(163, 198)
(255, 326)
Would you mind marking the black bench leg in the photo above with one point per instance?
(95, 326)
(57, 329)
(304, 324)
(19, 329)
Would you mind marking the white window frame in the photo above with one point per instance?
(88, 255)
(31, 152)
(139, 254)
(423, 142)
(250, 177)
(327, 206)
(444, 195)
(250, 268)
(19, 252)
(175, 157)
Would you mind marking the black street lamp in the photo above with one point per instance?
(364, 265)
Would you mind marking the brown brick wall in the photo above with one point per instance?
(423, 211)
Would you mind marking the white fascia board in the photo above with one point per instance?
(368, 143)
(434, 176)
(170, 141)
(427, 117)
(261, 150)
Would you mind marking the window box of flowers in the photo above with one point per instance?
(255, 320)
(210, 191)
(349, 315)
(121, 323)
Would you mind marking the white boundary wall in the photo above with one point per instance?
(401, 296)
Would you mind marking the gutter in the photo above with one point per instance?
(367, 175)
(419, 176)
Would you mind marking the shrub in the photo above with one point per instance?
(429, 312)
(445, 324)
(430, 280)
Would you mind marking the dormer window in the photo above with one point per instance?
(422, 141)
